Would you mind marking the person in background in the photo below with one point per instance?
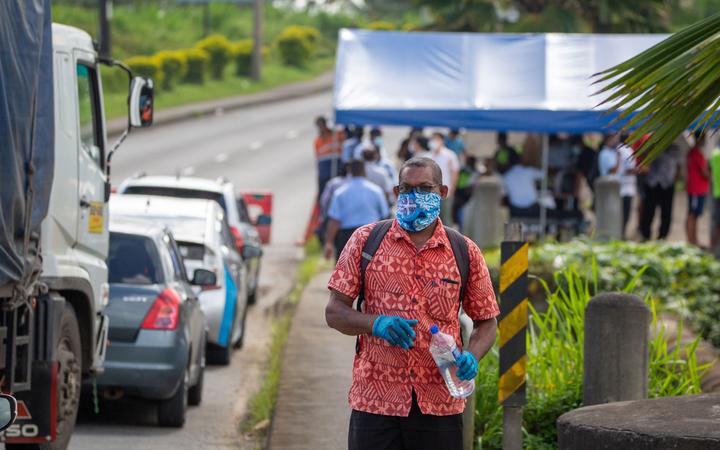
(375, 173)
(608, 158)
(327, 193)
(587, 160)
(467, 178)
(450, 167)
(358, 202)
(352, 140)
(698, 186)
(405, 152)
(454, 142)
(659, 191)
(327, 153)
(505, 155)
(715, 222)
(398, 398)
(628, 181)
(520, 184)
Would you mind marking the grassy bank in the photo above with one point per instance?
(262, 404)
(274, 74)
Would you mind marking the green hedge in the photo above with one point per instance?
(297, 44)
(174, 67)
(146, 66)
(555, 366)
(197, 62)
(242, 52)
(382, 25)
(220, 52)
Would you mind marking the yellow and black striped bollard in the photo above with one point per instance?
(513, 329)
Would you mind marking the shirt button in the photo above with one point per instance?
(412, 372)
(414, 300)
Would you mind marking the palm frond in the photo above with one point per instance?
(671, 87)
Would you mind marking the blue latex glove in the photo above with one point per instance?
(467, 366)
(395, 330)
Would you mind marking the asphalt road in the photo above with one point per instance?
(269, 148)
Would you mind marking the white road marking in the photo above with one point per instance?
(188, 171)
(256, 145)
(221, 157)
(292, 134)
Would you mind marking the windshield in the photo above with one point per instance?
(133, 260)
(177, 192)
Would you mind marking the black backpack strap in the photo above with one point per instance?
(375, 238)
(462, 258)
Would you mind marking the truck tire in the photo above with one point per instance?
(69, 355)
(171, 412)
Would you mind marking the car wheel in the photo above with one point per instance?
(252, 295)
(241, 340)
(219, 355)
(171, 412)
(69, 355)
(195, 392)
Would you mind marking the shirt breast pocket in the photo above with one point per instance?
(443, 299)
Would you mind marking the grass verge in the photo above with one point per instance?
(262, 404)
(274, 74)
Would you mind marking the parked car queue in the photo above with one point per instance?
(184, 264)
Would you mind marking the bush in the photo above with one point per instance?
(197, 61)
(220, 51)
(146, 66)
(555, 342)
(296, 45)
(173, 65)
(114, 79)
(381, 25)
(242, 52)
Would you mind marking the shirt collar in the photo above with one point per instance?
(438, 238)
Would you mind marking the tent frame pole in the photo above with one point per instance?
(544, 185)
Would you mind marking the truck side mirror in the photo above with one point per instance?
(141, 102)
(8, 411)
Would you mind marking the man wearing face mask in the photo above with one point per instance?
(398, 397)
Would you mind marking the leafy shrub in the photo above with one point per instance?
(114, 79)
(381, 25)
(296, 45)
(197, 61)
(146, 66)
(219, 49)
(555, 343)
(174, 67)
(312, 34)
(242, 52)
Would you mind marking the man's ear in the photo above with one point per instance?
(443, 191)
(396, 190)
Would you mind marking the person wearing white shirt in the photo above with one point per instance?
(450, 167)
(520, 183)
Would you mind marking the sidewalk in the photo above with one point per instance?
(312, 411)
(281, 93)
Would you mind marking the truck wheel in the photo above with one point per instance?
(69, 355)
(171, 412)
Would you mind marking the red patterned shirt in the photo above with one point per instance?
(422, 285)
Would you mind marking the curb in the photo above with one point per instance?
(281, 93)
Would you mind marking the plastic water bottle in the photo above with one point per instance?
(445, 353)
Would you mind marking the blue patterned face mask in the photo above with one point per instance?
(417, 210)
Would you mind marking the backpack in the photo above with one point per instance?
(377, 234)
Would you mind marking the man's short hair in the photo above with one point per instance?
(438, 134)
(357, 168)
(421, 161)
(320, 119)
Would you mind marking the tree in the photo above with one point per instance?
(672, 86)
(462, 15)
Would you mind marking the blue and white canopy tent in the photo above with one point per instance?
(538, 83)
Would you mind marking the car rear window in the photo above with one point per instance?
(133, 260)
(192, 251)
(177, 192)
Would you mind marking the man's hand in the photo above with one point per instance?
(329, 250)
(467, 366)
(395, 330)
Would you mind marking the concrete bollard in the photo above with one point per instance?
(481, 222)
(616, 349)
(608, 209)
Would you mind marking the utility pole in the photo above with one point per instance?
(256, 71)
(104, 16)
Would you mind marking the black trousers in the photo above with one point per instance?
(657, 196)
(626, 206)
(418, 431)
(341, 238)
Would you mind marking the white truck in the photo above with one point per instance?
(54, 192)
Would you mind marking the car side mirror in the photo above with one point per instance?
(8, 411)
(204, 277)
(142, 93)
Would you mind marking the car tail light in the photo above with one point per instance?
(164, 312)
(239, 241)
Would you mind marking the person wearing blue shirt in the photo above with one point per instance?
(356, 203)
(454, 142)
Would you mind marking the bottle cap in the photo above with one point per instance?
(434, 329)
